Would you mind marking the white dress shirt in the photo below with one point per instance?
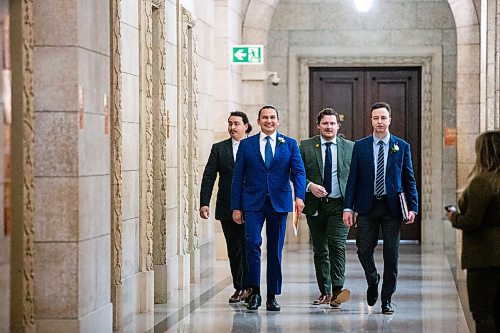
(236, 144)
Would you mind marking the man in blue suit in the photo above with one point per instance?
(265, 164)
(381, 169)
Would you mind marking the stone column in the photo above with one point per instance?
(22, 277)
(72, 167)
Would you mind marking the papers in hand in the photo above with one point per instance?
(404, 206)
(295, 219)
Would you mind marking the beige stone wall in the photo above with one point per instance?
(72, 224)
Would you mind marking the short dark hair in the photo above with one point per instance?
(244, 117)
(268, 107)
(380, 105)
(328, 112)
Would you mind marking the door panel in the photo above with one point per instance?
(351, 92)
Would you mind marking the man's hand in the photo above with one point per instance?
(299, 204)
(348, 218)
(238, 216)
(411, 217)
(317, 190)
(204, 212)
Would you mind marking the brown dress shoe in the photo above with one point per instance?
(322, 299)
(237, 297)
(339, 297)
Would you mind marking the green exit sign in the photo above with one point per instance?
(248, 54)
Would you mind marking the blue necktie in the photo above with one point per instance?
(327, 171)
(268, 152)
(379, 179)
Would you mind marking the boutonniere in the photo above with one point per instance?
(317, 145)
(395, 148)
(281, 140)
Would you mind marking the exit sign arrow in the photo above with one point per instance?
(247, 54)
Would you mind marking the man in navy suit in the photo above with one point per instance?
(381, 168)
(265, 164)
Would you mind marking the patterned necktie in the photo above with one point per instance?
(379, 179)
(327, 171)
(268, 152)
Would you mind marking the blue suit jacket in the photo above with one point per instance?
(252, 180)
(398, 177)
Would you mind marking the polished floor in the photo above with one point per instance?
(426, 300)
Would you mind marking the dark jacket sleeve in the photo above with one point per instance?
(209, 176)
(473, 205)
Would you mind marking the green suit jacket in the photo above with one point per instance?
(310, 150)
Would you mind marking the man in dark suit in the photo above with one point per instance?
(381, 168)
(327, 158)
(221, 161)
(261, 190)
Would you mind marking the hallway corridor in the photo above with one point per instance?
(426, 300)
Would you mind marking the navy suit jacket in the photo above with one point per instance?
(399, 177)
(252, 180)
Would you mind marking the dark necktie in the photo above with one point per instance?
(379, 179)
(268, 152)
(327, 171)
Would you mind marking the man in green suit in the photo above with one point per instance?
(327, 158)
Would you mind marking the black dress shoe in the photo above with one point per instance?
(254, 302)
(272, 305)
(386, 308)
(372, 292)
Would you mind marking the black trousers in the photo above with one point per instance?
(483, 288)
(369, 226)
(234, 234)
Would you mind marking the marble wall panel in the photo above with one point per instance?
(94, 213)
(172, 148)
(171, 70)
(56, 262)
(204, 9)
(130, 42)
(171, 22)
(130, 12)
(55, 22)
(450, 69)
(93, 30)
(465, 145)
(172, 231)
(56, 206)
(467, 122)
(234, 21)
(130, 195)
(467, 13)
(130, 98)
(56, 141)
(449, 93)
(469, 92)
(206, 110)
(172, 184)
(99, 321)
(434, 15)
(56, 78)
(93, 146)
(205, 76)
(171, 104)
(130, 148)
(130, 246)
(468, 34)
(221, 89)
(93, 269)
(468, 61)
(93, 72)
(425, 37)
(131, 296)
(220, 62)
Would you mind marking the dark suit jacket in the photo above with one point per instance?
(220, 161)
(398, 177)
(252, 180)
(310, 150)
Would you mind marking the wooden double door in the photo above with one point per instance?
(351, 92)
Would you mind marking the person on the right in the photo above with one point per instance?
(478, 216)
(381, 169)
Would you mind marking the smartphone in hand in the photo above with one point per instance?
(450, 208)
